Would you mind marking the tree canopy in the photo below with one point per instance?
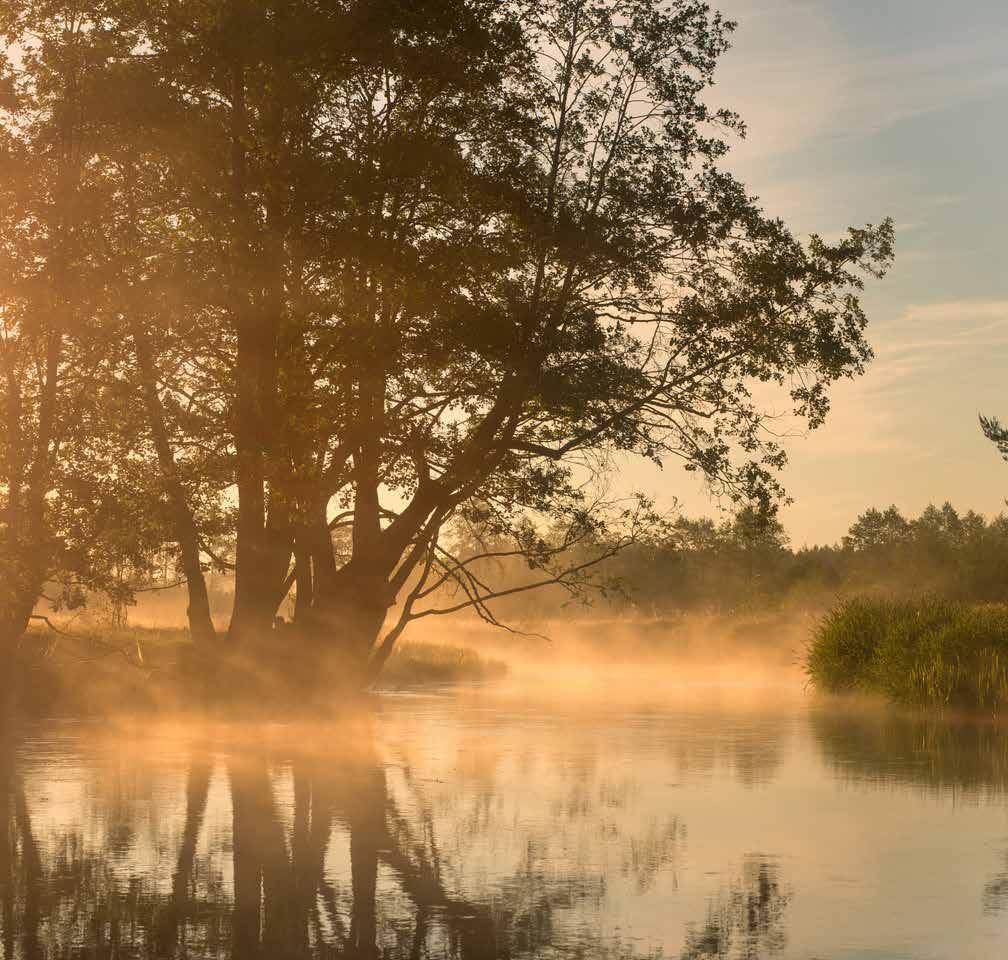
(370, 269)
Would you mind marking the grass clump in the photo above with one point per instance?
(924, 652)
(421, 663)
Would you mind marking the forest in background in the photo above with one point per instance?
(746, 564)
(743, 564)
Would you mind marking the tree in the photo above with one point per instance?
(877, 529)
(66, 496)
(997, 434)
(386, 267)
(607, 291)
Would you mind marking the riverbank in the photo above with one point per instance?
(925, 652)
(97, 672)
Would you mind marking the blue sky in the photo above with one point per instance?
(859, 110)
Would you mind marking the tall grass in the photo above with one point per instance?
(926, 652)
(419, 663)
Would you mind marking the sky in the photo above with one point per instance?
(857, 110)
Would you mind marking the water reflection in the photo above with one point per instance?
(471, 829)
(751, 751)
(254, 847)
(746, 921)
(995, 891)
(887, 748)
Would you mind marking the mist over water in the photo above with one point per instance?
(340, 344)
(587, 810)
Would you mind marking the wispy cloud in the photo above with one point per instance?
(949, 325)
(825, 87)
(960, 314)
(928, 345)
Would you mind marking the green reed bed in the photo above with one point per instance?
(925, 652)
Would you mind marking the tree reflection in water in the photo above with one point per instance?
(746, 921)
(265, 882)
(965, 757)
(995, 891)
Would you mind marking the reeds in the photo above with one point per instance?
(925, 652)
(423, 663)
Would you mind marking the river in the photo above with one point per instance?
(620, 816)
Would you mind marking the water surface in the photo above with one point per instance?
(609, 818)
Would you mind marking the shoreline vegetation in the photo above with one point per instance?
(102, 671)
(80, 669)
(924, 652)
(920, 653)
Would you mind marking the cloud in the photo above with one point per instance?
(921, 356)
(793, 95)
(820, 85)
(826, 89)
(947, 326)
(992, 313)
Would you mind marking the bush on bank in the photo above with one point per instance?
(925, 652)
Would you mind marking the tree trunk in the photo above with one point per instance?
(198, 611)
(337, 634)
(303, 581)
(264, 531)
(14, 610)
(248, 616)
(13, 467)
(14, 623)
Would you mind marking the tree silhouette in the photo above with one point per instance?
(377, 268)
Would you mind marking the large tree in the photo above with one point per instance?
(562, 275)
(386, 267)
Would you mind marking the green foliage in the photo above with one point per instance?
(846, 642)
(926, 652)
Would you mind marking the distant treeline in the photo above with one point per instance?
(748, 562)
